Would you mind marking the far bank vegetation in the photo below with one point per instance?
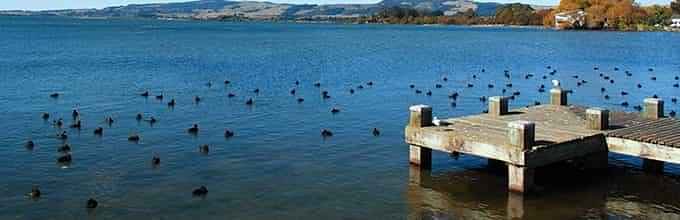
(622, 15)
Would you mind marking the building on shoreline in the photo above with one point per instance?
(675, 21)
(570, 19)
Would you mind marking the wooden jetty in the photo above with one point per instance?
(531, 137)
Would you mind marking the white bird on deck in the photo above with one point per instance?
(439, 122)
(556, 83)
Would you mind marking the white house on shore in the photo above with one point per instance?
(675, 21)
(570, 19)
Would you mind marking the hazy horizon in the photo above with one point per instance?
(35, 5)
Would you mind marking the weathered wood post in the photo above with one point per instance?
(558, 96)
(498, 105)
(597, 119)
(515, 206)
(421, 116)
(653, 108)
(521, 134)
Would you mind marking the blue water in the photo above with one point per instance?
(277, 166)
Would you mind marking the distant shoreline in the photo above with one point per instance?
(340, 21)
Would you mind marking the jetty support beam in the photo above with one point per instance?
(558, 96)
(521, 134)
(421, 116)
(653, 108)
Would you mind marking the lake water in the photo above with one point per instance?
(277, 166)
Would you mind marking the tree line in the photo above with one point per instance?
(625, 15)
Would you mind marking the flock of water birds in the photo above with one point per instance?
(202, 191)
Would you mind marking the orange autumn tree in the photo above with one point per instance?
(620, 14)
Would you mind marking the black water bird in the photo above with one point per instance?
(197, 99)
(676, 85)
(99, 131)
(637, 108)
(628, 73)
(75, 113)
(606, 97)
(596, 68)
(438, 86)
(45, 116)
(231, 95)
(429, 93)
(228, 133)
(201, 191)
(677, 77)
(300, 100)
(453, 104)
(370, 83)
(204, 148)
(606, 77)
(672, 114)
(159, 97)
(109, 120)
(624, 104)
(226, 82)
(490, 86)
(360, 87)
(208, 84)
(639, 85)
(537, 103)
(145, 94)
(249, 102)
(133, 137)
(470, 85)
(155, 161)
(482, 99)
(616, 69)
(152, 120)
(172, 103)
(292, 91)
(509, 85)
(412, 86)
(453, 96)
(326, 133)
(62, 135)
(376, 132)
(655, 96)
(418, 91)
(650, 69)
(139, 116)
(623, 93)
(64, 148)
(603, 89)
(351, 91)
(317, 84)
(674, 100)
(256, 91)
(54, 95)
(297, 82)
(445, 79)
(653, 78)
(193, 129)
(29, 144)
(335, 110)
(611, 81)
(91, 203)
(35, 192)
(65, 158)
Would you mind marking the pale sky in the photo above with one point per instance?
(75, 4)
